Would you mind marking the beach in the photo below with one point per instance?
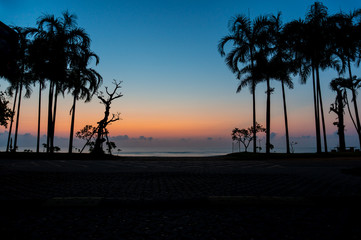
(216, 197)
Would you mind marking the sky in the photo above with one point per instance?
(176, 85)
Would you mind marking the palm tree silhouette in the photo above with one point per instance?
(23, 77)
(84, 82)
(339, 85)
(262, 70)
(310, 43)
(62, 37)
(347, 46)
(283, 63)
(246, 36)
(320, 54)
(8, 65)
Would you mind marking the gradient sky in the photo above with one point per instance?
(175, 83)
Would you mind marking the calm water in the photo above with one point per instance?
(193, 152)
(179, 151)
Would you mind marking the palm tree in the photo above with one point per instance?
(310, 42)
(320, 34)
(262, 70)
(339, 86)
(84, 82)
(272, 61)
(23, 76)
(283, 63)
(38, 72)
(246, 36)
(8, 64)
(298, 42)
(62, 37)
(347, 45)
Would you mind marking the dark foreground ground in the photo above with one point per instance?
(184, 198)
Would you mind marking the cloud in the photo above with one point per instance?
(28, 140)
(127, 138)
(120, 138)
(209, 138)
(142, 138)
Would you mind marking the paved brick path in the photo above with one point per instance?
(184, 199)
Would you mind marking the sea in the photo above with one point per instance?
(176, 151)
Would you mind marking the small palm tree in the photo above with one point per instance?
(339, 86)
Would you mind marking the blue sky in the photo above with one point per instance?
(165, 52)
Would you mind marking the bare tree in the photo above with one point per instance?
(101, 131)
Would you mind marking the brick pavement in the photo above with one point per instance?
(174, 180)
(187, 199)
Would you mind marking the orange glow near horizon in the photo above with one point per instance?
(172, 120)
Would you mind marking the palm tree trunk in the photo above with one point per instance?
(72, 126)
(39, 115)
(285, 114)
(53, 120)
(254, 108)
(340, 125)
(315, 105)
(321, 105)
(12, 119)
(254, 119)
(50, 114)
(355, 104)
(268, 118)
(17, 118)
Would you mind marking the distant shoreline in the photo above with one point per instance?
(230, 156)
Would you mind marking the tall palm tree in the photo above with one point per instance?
(84, 82)
(62, 36)
(246, 36)
(283, 63)
(262, 70)
(23, 76)
(347, 46)
(310, 42)
(36, 49)
(272, 61)
(9, 45)
(320, 34)
(48, 59)
(298, 41)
